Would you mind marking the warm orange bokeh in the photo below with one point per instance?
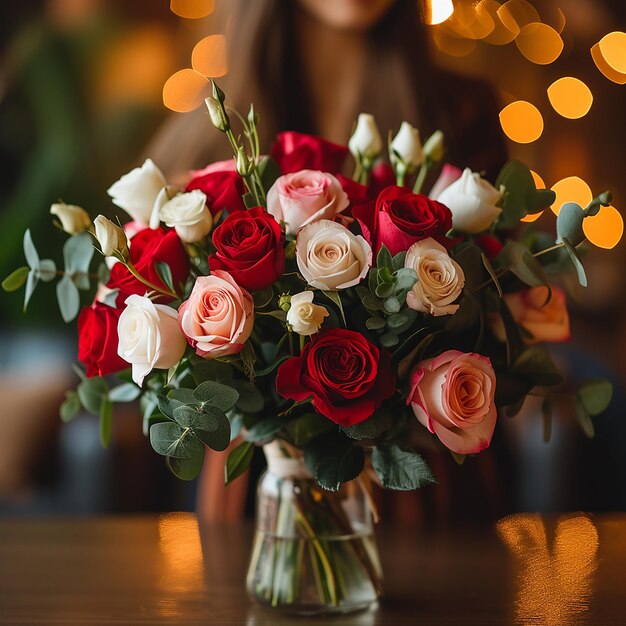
(209, 56)
(185, 90)
(571, 189)
(522, 122)
(539, 43)
(605, 229)
(192, 9)
(609, 55)
(540, 185)
(570, 97)
(438, 11)
(515, 14)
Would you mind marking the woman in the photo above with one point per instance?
(312, 66)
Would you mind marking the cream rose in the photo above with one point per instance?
(440, 279)
(188, 214)
(149, 336)
(304, 197)
(305, 317)
(472, 201)
(137, 191)
(406, 148)
(110, 236)
(543, 321)
(218, 317)
(453, 396)
(330, 257)
(74, 219)
(365, 142)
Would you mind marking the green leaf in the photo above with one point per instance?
(68, 298)
(170, 439)
(375, 323)
(333, 462)
(595, 395)
(392, 305)
(383, 259)
(492, 272)
(91, 392)
(182, 395)
(262, 297)
(71, 406)
(77, 254)
(210, 369)
(398, 260)
(536, 364)
(389, 340)
(399, 469)
(238, 461)
(546, 414)
(217, 395)
(385, 290)
(266, 428)
(578, 265)
(106, 421)
(371, 428)
(569, 223)
(125, 393)
(31, 283)
(268, 171)
(164, 272)
(15, 279)
(209, 418)
(518, 259)
(306, 427)
(334, 297)
(372, 303)
(250, 398)
(584, 419)
(218, 439)
(30, 252)
(187, 469)
(47, 270)
(249, 200)
(405, 278)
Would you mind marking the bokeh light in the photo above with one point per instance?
(605, 229)
(209, 56)
(540, 185)
(501, 34)
(192, 9)
(185, 90)
(571, 189)
(439, 11)
(453, 46)
(570, 97)
(515, 14)
(609, 55)
(539, 43)
(470, 20)
(521, 121)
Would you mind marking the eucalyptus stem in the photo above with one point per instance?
(147, 283)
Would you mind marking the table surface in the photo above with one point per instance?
(526, 569)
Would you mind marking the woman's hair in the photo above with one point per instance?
(265, 68)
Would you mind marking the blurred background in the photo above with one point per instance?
(82, 101)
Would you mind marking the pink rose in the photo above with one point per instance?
(545, 322)
(304, 197)
(453, 396)
(218, 317)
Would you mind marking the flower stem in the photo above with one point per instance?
(147, 283)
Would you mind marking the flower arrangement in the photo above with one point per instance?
(275, 299)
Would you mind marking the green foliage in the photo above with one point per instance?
(578, 265)
(215, 394)
(265, 428)
(399, 469)
(126, 392)
(536, 364)
(569, 223)
(371, 428)
(106, 422)
(306, 427)
(595, 395)
(492, 272)
(15, 279)
(519, 260)
(333, 461)
(91, 392)
(68, 298)
(71, 406)
(238, 461)
(164, 272)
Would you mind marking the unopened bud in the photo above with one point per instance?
(434, 147)
(111, 237)
(243, 165)
(284, 302)
(406, 149)
(218, 114)
(218, 94)
(366, 143)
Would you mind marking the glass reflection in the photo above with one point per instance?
(555, 571)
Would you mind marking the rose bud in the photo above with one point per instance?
(188, 214)
(305, 317)
(406, 149)
(472, 202)
(111, 237)
(137, 191)
(366, 143)
(434, 147)
(74, 219)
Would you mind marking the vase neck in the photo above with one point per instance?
(281, 464)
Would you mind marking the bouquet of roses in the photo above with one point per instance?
(275, 299)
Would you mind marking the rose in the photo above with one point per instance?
(406, 149)
(150, 247)
(249, 246)
(330, 257)
(188, 214)
(221, 185)
(472, 201)
(453, 396)
(346, 376)
(544, 321)
(98, 340)
(296, 151)
(434, 147)
(400, 217)
(137, 191)
(365, 143)
(74, 219)
(149, 336)
(218, 317)
(111, 237)
(305, 317)
(304, 197)
(449, 174)
(440, 279)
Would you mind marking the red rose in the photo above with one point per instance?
(147, 248)
(296, 151)
(347, 376)
(221, 185)
(490, 245)
(249, 246)
(97, 340)
(399, 218)
(381, 177)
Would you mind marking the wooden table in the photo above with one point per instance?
(525, 570)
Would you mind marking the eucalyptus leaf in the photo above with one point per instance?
(384, 259)
(170, 439)
(216, 394)
(219, 438)
(518, 259)
(389, 340)
(68, 298)
(164, 272)
(125, 393)
(595, 395)
(47, 270)
(308, 426)
(30, 252)
(569, 223)
(91, 392)
(250, 398)
(536, 363)
(333, 462)
(77, 254)
(71, 406)
(31, 283)
(266, 428)
(584, 419)
(375, 323)
(238, 461)
(208, 419)
(392, 305)
(578, 265)
(15, 279)
(399, 469)
(405, 278)
(182, 395)
(189, 468)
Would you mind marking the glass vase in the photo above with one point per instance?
(314, 551)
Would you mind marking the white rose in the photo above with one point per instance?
(407, 146)
(110, 236)
(330, 257)
(366, 141)
(74, 219)
(189, 215)
(305, 317)
(434, 147)
(472, 201)
(149, 336)
(440, 279)
(137, 191)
